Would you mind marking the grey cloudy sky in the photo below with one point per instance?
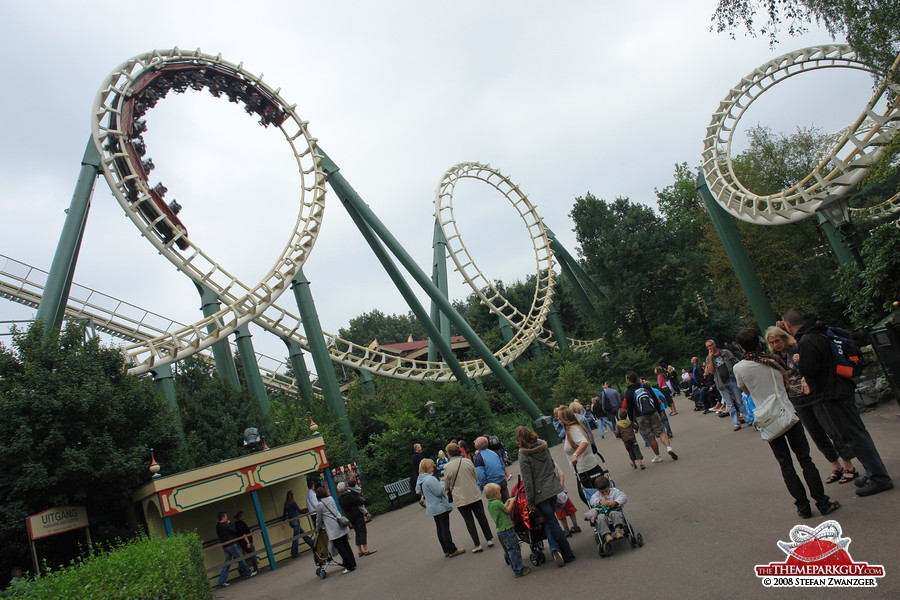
(564, 98)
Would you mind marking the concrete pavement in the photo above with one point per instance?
(707, 520)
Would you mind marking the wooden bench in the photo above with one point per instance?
(397, 490)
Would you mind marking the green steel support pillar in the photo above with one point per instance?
(505, 328)
(349, 197)
(366, 382)
(434, 335)
(556, 327)
(209, 303)
(439, 277)
(251, 370)
(536, 349)
(737, 254)
(56, 291)
(841, 252)
(577, 276)
(301, 373)
(164, 382)
(316, 340)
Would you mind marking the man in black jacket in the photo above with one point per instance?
(227, 534)
(835, 395)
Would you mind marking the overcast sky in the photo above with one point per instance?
(564, 98)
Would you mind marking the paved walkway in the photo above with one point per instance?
(707, 520)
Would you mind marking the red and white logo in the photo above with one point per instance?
(818, 558)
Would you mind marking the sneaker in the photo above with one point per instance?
(490, 543)
(567, 532)
(873, 487)
(861, 481)
(557, 558)
(226, 584)
(345, 571)
(656, 459)
(252, 574)
(672, 453)
(456, 552)
(477, 549)
(575, 529)
(524, 572)
(633, 466)
(643, 467)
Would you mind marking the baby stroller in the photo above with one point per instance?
(322, 556)
(528, 525)
(604, 547)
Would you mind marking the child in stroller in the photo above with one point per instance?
(607, 516)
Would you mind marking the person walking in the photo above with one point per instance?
(461, 482)
(226, 533)
(338, 535)
(292, 514)
(246, 543)
(541, 489)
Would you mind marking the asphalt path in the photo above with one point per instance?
(707, 519)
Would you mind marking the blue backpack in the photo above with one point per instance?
(644, 403)
(845, 353)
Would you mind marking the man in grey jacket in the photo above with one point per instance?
(721, 365)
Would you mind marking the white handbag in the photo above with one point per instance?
(774, 415)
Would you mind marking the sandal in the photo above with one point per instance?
(849, 476)
(835, 475)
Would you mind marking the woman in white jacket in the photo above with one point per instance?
(326, 518)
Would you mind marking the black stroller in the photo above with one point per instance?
(528, 525)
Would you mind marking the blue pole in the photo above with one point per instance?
(262, 529)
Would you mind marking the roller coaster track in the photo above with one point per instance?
(844, 163)
(135, 86)
(24, 284)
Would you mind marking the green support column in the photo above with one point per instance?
(573, 272)
(59, 281)
(536, 349)
(737, 254)
(164, 382)
(349, 197)
(434, 335)
(316, 340)
(556, 327)
(505, 328)
(301, 373)
(209, 303)
(366, 382)
(251, 370)
(439, 277)
(841, 252)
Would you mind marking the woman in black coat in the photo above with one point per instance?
(353, 506)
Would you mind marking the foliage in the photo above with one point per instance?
(872, 27)
(141, 569)
(869, 294)
(78, 432)
(214, 414)
(571, 384)
(387, 329)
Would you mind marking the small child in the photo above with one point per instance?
(568, 509)
(608, 502)
(505, 532)
(625, 430)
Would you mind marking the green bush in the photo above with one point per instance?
(140, 569)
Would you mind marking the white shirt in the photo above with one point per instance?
(311, 501)
(586, 461)
(761, 380)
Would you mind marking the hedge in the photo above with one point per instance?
(140, 569)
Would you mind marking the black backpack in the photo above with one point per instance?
(845, 352)
(644, 402)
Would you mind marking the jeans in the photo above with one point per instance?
(510, 544)
(232, 551)
(731, 396)
(442, 524)
(796, 439)
(295, 545)
(605, 421)
(555, 536)
(665, 421)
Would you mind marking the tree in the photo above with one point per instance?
(628, 250)
(872, 27)
(78, 431)
(572, 384)
(387, 329)
(869, 294)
